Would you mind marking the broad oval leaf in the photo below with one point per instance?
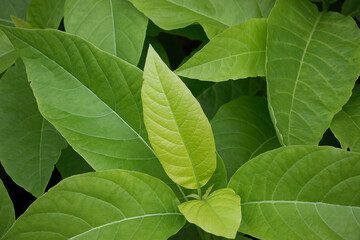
(346, 124)
(242, 130)
(7, 213)
(309, 76)
(91, 97)
(178, 129)
(10, 8)
(238, 52)
(218, 214)
(213, 15)
(8, 54)
(30, 145)
(300, 192)
(45, 13)
(114, 26)
(134, 206)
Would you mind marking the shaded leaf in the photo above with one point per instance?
(7, 213)
(45, 13)
(114, 26)
(219, 214)
(135, 206)
(238, 52)
(265, 6)
(346, 124)
(178, 130)
(30, 145)
(10, 8)
(300, 192)
(8, 54)
(213, 15)
(242, 130)
(309, 76)
(352, 8)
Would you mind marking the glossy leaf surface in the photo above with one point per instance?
(178, 129)
(310, 77)
(7, 213)
(30, 145)
(238, 52)
(300, 192)
(114, 26)
(135, 206)
(45, 13)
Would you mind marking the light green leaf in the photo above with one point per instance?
(300, 192)
(30, 145)
(134, 206)
(16, 8)
(213, 97)
(213, 15)
(19, 23)
(219, 214)
(309, 76)
(266, 6)
(238, 52)
(346, 124)
(7, 213)
(114, 26)
(71, 163)
(91, 97)
(45, 13)
(242, 130)
(178, 129)
(8, 54)
(352, 8)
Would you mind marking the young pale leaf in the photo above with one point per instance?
(30, 145)
(309, 76)
(10, 8)
(114, 26)
(213, 15)
(219, 214)
(45, 13)
(7, 213)
(91, 97)
(8, 54)
(242, 130)
(178, 129)
(238, 52)
(346, 124)
(19, 23)
(352, 8)
(133, 206)
(300, 192)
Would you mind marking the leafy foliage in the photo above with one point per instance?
(126, 119)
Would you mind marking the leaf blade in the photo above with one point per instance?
(45, 14)
(7, 213)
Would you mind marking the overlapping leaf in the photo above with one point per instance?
(266, 6)
(8, 54)
(178, 130)
(134, 206)
(114, 26)
(30, 146)
(10, 8)
(313, 62)
(238, 52)
(213, 15)
(242, 130)
(300, 192)
(346, 124)
(7, 213)
(45, 13)
(91, 97)
(352, 8)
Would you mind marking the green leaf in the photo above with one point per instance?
(134, 206)
(178, 129)
(213, 15)
(213, 97)
(352, 8)
(114, 26)
(91, 97)
(219, 214)
(238, 52)
(346, 124)
(242, 130)
(45, 13)
(19, 23)
(7, 213)
(266, 6)
(10, 8)
(30, 145)
(300, 192)
(8, 54)
(309, 76)
(71, 163)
